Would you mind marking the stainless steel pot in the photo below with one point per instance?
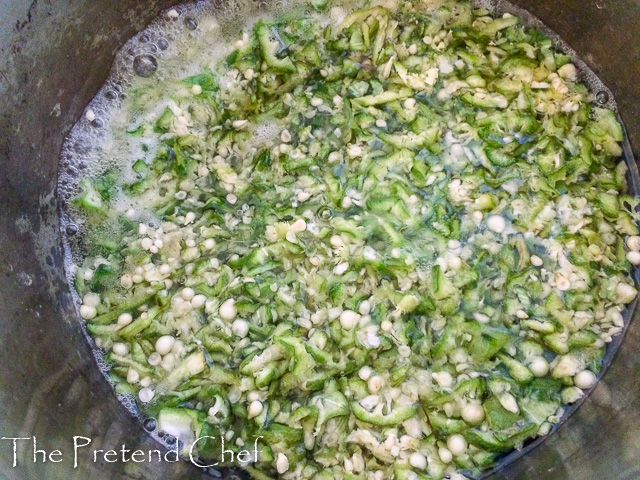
(54, 55)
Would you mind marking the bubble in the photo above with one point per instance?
(71, 229)
(162, 43)
(111, 95)
(602, 97)
(144, 38)
(97, 123)
(191, 23)
(145, 65)
(150, 424)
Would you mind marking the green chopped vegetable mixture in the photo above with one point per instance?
(395, 247)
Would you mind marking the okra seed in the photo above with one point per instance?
(364, 373)
(365, 307)
(375, 384)
(228, 310)
(341, 268)
(633, 257)
(178, 348)
(354, 151)
(88, 312)
(303, 196)
(240, 328)
(536, 261)
(146, 395)
(120, 348)
(187, 293)
(282, 463)
(198, 301)
(585, 379)
(349, 319)
(454, 262)
(562, 282)
(164, 344)
(255, 409)
(633, 243)
(333, 157)
(456, 444)
(299, 226)
(445, 455)
(409, 103)
(444, 379)
(189, 218)
(336, 241)
(168, 362)
(539, 367)
(132, 376)
(617, 318)
(124, 319)
(418, 460)
(386, 326)
(91, 299)
(253, 396)
(496, 223)
(473, 413)
(154, 359)
(625, 292)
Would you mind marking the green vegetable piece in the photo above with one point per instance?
(499, 417)
(89, 198)
(268, 49)
(140, 324)
(398, 415)
(163, 124)
(518, 371)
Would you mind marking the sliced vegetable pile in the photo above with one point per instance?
(395, 246)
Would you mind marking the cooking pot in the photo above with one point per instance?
(54, 56)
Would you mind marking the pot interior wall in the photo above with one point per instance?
(54, 56)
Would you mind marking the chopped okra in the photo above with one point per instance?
(394, 243)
